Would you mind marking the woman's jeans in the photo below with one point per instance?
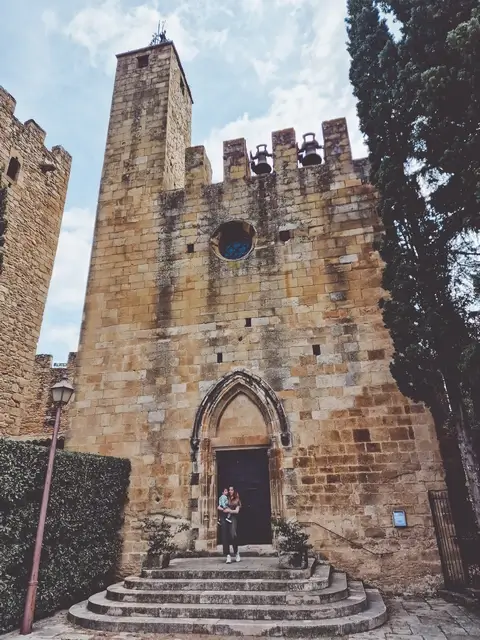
(229, 536)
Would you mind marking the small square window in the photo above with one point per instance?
(219, 358)
(316, 349)
(190, 248)
(248, 322)
(142, 62)
(285, 235)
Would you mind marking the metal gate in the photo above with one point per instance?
(459, 548)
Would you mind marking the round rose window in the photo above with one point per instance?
(234, 240)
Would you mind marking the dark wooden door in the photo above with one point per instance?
(247, 471)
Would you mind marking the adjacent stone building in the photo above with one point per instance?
(232, 334)
(33, 187)
(39, 419)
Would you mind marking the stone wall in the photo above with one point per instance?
(35, 181)
(39, 416)
(184, 353)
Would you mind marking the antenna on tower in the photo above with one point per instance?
(160, 35)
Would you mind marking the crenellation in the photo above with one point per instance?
(38, 420)
(336, 142)
(198, 170)
(35, 130)
(236, 165)
(285, 151)
(7, 101)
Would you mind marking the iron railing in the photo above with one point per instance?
(458, 545)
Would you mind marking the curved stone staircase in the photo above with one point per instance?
(251, 598)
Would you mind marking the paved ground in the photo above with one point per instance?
(429, 619)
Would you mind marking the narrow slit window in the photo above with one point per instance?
(13, 168)
(182, 86)
(219, 358)
(316, 349)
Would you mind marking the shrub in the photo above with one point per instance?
(81, 542)
(160, 537)
(291, 537)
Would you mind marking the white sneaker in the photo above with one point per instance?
(237, 557)
(229, 559)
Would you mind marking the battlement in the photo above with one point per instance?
(336, 157)
(31, 135)
(45, 362)
(41, 411)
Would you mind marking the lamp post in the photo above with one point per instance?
(61, 393)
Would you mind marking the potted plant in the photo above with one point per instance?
(291, 541)
(161, 547)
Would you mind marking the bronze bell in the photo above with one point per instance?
(261, 166)
(307, 154)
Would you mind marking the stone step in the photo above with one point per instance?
(373, 616)
(355, 602)
(247, 579)
(267, 551)
(264, 568)
(218, 585)
(224, 594)
(226, 574)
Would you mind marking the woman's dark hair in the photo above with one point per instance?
(236, 496)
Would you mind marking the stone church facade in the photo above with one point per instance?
(232, 334)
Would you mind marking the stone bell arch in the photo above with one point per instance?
(242, 387)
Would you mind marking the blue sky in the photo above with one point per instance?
(254, 66)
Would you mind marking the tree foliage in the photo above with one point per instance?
(418, 91)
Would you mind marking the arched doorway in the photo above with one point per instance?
(239, 432)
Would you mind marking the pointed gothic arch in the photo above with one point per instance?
(222, 393)
(204, 448)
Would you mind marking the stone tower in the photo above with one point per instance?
(33, 183)
(149, 130)
(232, 335)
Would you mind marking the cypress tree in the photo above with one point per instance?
(418, 105)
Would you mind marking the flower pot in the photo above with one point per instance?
(292, 560)
(160, 561)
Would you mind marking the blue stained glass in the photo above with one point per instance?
(235, 249)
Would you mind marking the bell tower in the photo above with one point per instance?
(149, 130)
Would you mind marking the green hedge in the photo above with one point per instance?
(81, 543)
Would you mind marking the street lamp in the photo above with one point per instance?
(61, 393)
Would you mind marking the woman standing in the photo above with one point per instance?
(229, 529)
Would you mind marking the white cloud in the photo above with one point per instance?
(316, 91)
(70, 272)
(61, 327)
(107, 28)
(50, 20)
(253, 6)
(59, 340)
(268, 66)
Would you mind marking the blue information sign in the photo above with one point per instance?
(399, 518)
